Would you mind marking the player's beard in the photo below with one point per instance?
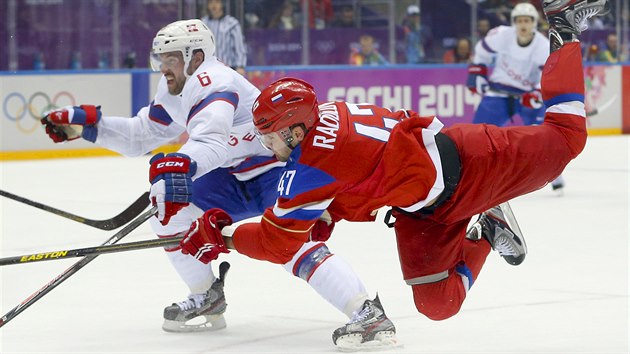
(176, 87)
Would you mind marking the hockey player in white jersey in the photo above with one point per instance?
(222, 159)
(518, 53)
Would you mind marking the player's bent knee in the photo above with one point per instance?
(438, 301)
(308, 259)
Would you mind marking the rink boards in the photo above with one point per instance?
(429, 89)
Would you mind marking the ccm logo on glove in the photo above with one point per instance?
(169, 164)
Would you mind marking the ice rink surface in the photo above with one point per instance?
(569, 296)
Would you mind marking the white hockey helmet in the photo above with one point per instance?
(184, 36)
(525, 9)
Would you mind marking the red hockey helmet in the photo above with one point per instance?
(285, 103)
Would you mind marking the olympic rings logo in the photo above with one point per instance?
(15, 107)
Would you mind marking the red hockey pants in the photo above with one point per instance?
(498, 164)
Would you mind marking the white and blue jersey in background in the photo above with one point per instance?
(517, 69)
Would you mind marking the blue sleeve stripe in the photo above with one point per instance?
(567, 97)
(303, 214)
(158, 114)
(229, 97)
(485, 46)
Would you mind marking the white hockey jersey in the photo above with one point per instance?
(214, 108)
(517, 69)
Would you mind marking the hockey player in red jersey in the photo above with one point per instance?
(352, 159)
(222, 164)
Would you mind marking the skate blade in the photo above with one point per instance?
(211, 323)
(512, 223)
(384, 340)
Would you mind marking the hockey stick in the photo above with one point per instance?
(108, 224)
(74, 268)
(601, 108)
(90, 251)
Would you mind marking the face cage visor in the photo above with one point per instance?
(169, 62)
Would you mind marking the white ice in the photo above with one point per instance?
(569, 296)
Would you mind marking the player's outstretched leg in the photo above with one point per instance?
(567, 18)
(209, 306)
(369, 329)
(499, 227)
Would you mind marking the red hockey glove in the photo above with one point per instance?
(204, 240)
(322, 230)
(477, 81)
(171, 183)
(72, 122)
(532, 99)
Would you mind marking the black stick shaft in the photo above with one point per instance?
(108, 224)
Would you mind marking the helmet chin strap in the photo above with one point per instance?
(186, 66)
(187, 60)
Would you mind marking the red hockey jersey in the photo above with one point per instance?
(355, 160)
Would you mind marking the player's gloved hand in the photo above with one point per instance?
(323, 228)
(532, 99)
(72, 122)
(204, 240)
(171, 183)
(477, 81)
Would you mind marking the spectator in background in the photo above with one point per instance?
(592, 53)
(230, 46)
(320, 13)
(611, 54)
(483, 26)
(367, 54)
(130, 60)
(416, 35)
(462, 53)
(286, 18)
(345, 19)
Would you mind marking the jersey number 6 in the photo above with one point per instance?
(204, 79)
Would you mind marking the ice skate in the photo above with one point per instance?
(200, 312)
(558, 185)
(567, 18)
(571, 15)
(499, 227)
(369, 329)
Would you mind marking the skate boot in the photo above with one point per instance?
(499, 227)
(567, 18)
(558, 185)
(369, 329)
(200, 312)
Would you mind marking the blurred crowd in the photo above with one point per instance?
(414, 28)
(355, 32)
